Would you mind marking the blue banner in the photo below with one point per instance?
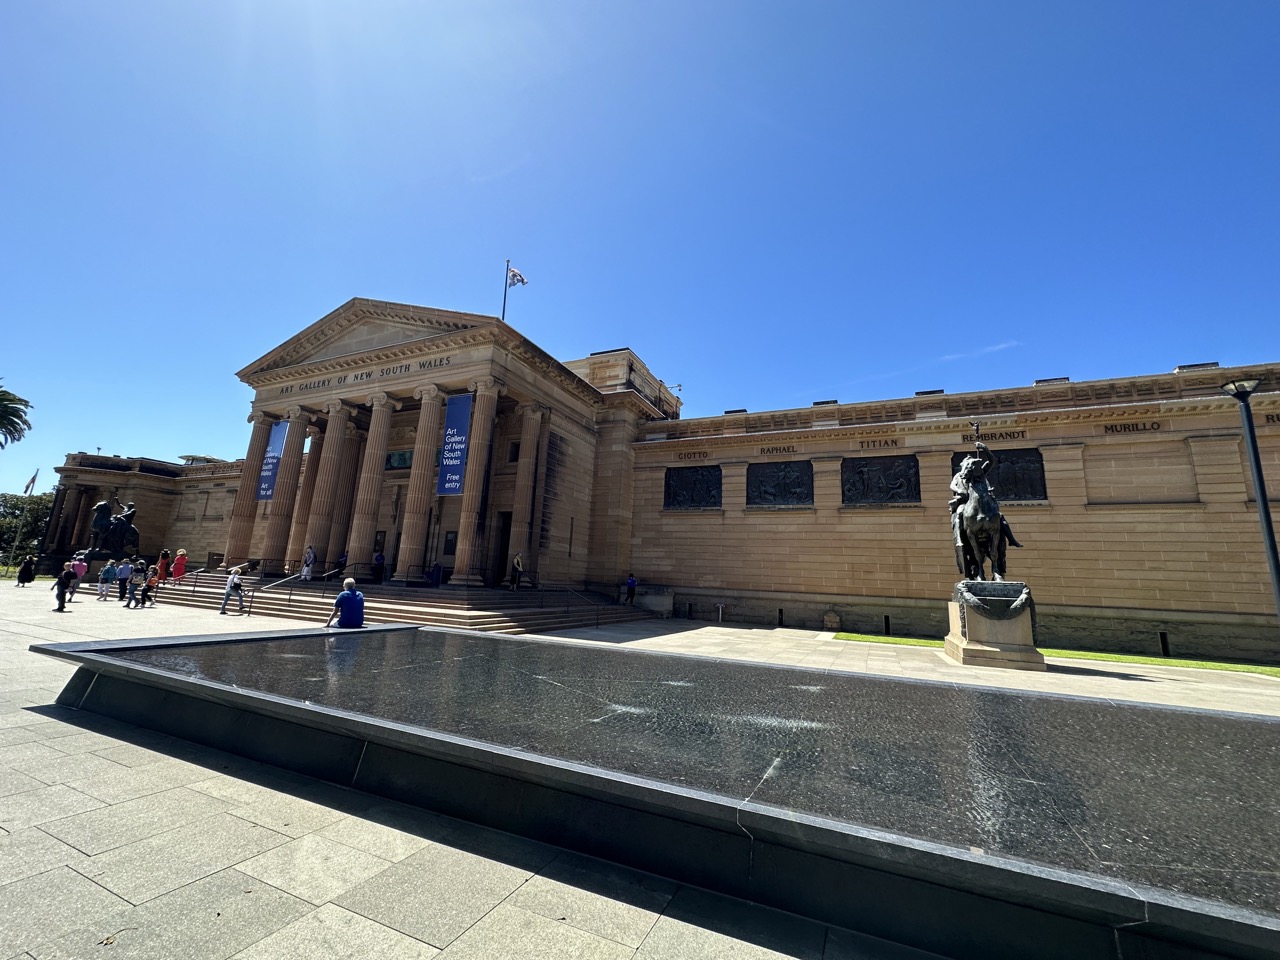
(453, 456)
(271, 462)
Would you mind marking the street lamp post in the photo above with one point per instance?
(1241, 390)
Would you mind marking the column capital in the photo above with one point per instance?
(426, 393)
(377, 400)
(299, 413)
(261, 416)
(334, 407)
(530, 410)
(489, 385)
(313, 431)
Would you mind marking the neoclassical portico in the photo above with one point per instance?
(369, 385)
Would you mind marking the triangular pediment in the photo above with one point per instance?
(362, 326)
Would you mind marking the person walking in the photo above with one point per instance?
(123, 572)
(149, 586)
(65, 579)
(348, 607)
(631, 590)
(517, 569)
(106, 577)
(137, 578)
(162, 566)
(26, 572)
(308, 561)
(179, 566)
(236, 586)
(81, 568)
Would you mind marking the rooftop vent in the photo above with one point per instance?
(727, 412)
(824, 403)
(929, 393)
(1041, 382)
(1187, 367)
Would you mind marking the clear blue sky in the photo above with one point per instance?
(771, 202)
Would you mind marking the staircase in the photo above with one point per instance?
(535, 610)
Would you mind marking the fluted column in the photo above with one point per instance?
(321, 514)
(422, 478)
(80, 535)
(486, 390)
(522, 508)
(245, 507)
(49, 541)
(276, 539)
(66, 520)
(364, 522)
(302, 509)
(344, 497)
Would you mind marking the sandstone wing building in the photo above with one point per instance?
(1133, 496)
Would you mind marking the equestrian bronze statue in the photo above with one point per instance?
(978, 528)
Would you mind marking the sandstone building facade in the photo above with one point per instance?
(1133, 496)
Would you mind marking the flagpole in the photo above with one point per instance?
(22, 522)
(506, 283)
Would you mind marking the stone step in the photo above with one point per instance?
(509, 619)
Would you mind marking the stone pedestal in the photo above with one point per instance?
(992, 625)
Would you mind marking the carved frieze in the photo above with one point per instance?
(789, 483)
(879, 480)
(691, 488)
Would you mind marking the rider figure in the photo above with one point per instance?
(972, 470)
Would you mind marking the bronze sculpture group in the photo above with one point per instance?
(113, 534)
(979, 530)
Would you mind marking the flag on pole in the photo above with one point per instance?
(31, 484)
(514, 276)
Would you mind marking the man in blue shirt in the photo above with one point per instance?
(348, 607)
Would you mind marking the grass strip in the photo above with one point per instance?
(1227, 665)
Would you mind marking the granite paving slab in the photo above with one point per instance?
(331, 933)
(314, 868)
(599, 898)
(208, 920)
(104, 828)
(700, 926)
(148, 868)
(45, 905)
(33, 807)
(25, 853)
(436, 894)
(509, 932)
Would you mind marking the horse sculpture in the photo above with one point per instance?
(980, 531)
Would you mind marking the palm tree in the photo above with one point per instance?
(13, 417)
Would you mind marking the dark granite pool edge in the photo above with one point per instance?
(908, 890)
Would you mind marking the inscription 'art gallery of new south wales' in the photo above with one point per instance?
(448, 441)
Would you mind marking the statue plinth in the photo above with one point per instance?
(993, 625)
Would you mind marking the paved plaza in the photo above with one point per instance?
(114, 836)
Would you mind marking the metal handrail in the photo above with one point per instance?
(541, 586)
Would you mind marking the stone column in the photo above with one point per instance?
(67, 524)
(276, 539)
(486, 390)
(84, 506)
(345, 496)
(522, 507)
(321, 514)
(364, 521)
(302, 509)
(55, 516)
(422, 478)
(245, 507)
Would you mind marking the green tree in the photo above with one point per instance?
(13, 417)
(20, 534)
